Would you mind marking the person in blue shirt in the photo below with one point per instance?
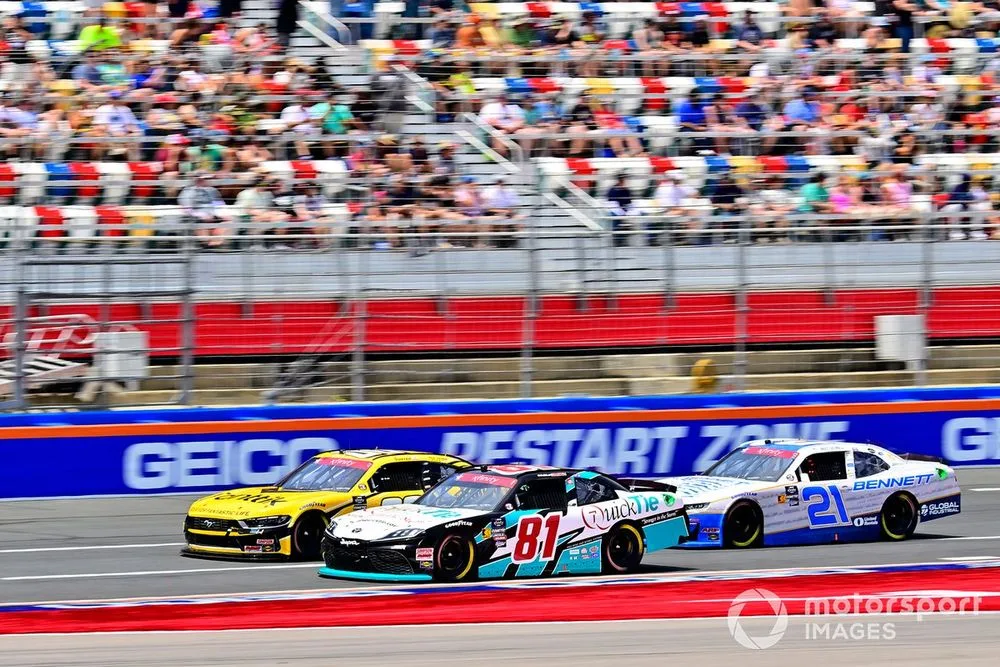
(749, 110)
(691, 117)
(802, 109)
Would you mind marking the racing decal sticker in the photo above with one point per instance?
(941, 508)
(535, 538)
(825, 506)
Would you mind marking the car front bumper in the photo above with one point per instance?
(226, 539)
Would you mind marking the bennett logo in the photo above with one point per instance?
(149, 466)
(894, 482)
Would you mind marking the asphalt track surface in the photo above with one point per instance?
(933, 640)
(129, 547)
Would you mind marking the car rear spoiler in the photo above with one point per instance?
(921, 457)
(633, 484)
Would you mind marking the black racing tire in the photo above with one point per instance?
(743, 526)
(455, 559)
(622, 549)
(307, 536)
(898, 518)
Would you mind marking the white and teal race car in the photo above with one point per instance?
(508, 521)
(783, 492)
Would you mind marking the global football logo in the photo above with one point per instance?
(763, 603)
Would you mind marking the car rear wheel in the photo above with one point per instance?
(307, 536)
(454, 559)
(898, 518)
(743, 526)
(622, 549)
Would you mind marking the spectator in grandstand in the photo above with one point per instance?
(202, 206)
(769, 203)
(505, 117)
(728, 200)
(99, 36)
(672, 197)
(14, 38)
(621, 205)
(749, 36)
(254, 206)
(501, 200)
(287, 21)
(115, 120)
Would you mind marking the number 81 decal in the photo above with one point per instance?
(536, 534)
(826, 507)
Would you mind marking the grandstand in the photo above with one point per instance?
(351, 183)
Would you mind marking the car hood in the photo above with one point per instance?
(379, 522)
(258, 502)
(697, 489)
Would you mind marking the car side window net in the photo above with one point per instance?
(395, 477)
(867, 464)
(825, 466)
(542, 494)
(590, 491)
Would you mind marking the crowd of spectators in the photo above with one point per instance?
(226, 97)
(871, 206)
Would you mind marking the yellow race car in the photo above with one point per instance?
(287, 520)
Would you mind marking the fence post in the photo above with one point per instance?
(358, 343)
(530, 310)
(742, 307)
(926, 291)
(20, 337)
(669, 270)
(188, 323)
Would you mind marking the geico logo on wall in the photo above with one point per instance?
(210, 463)
(968, 439)
(636, 450)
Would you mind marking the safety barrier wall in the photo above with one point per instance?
(171, 451)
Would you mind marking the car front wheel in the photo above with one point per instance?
(455, 559)
(307, 535)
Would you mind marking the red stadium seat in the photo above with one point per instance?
(938, 46)
(580, 166)
(661, 165)
(718, 11)
(304, 170)
(111, 221)
(51, 220)
(88, 173)
(617, 45)
(733, 85)
(668, 8)
(773, 164)
(7, 175)
(144, 179)
(539, 10)
(544, 85)
(406, 47)
(655, 93)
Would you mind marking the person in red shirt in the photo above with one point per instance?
(610, 124)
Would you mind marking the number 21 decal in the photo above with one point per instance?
(826, 506)
(536, 534)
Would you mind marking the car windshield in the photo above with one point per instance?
(326, 473)
(469, 490)
(765, 464)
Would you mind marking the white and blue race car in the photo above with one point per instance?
(782, 492)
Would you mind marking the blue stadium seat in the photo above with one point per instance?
(59, 171)
(716, 164)
(517, 86)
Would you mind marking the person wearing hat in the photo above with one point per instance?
(115, 119)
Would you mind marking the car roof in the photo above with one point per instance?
(798, 445)
(520, 470)
(379, 454)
